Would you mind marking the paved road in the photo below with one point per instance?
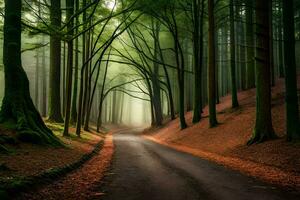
(144, 170)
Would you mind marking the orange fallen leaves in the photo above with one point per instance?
(276, 161)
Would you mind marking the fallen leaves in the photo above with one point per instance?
(274, 161)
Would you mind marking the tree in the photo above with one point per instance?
(55, 63)
(198, 20)
(17, 104)
(263, 126)
(211, 66)
(76, 68)
(292, 109)
(70, 12)
(250, 82)
(234, 97)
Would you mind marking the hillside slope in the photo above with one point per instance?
(274, 161)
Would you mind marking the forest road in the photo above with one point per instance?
(144, 170)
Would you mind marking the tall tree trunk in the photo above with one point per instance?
(44, 81)
(280, 45)
(70, 11)
(76, 68)
(250, 45)
(80, 96)
(292, 109)
(37, 79)
(180, 74)
(17, 105)
(235, 102)
(55, 64)
(155, 79)
(64, 79)
(263, 126)
(271, 44)
(198, 57)
(211, 66)
(99, 119)
(169, 86)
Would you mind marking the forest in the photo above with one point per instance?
(77, 73)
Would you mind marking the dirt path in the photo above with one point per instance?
(145, 170)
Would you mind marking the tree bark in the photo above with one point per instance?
(70, 11)
(76, 68)
(211, 66)
(263, 126)
(55, 64)
(234, 97)
(291, 98)
(250, 45)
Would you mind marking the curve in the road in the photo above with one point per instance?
(144, 170)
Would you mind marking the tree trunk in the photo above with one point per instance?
(250, 45)
(155, 79)
(292, 109)
(281, 53)
(211, 66)
(70, 11)
(198, 56)
(17, 103)
(235, 102)
(80, 96)
(55, 64)
(263, 126)
(37, 79)
(76, 68)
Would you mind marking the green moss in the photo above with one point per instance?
(9, 124)
(56, 127)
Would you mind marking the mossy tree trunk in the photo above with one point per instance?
(55, 64)
(263, 126)
(211, 66)
(17, 103)
(292, 109)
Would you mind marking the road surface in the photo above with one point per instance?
(144, 170)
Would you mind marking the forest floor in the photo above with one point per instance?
(276, 162)
(29, 160)
(81, 183)
(26, 160)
